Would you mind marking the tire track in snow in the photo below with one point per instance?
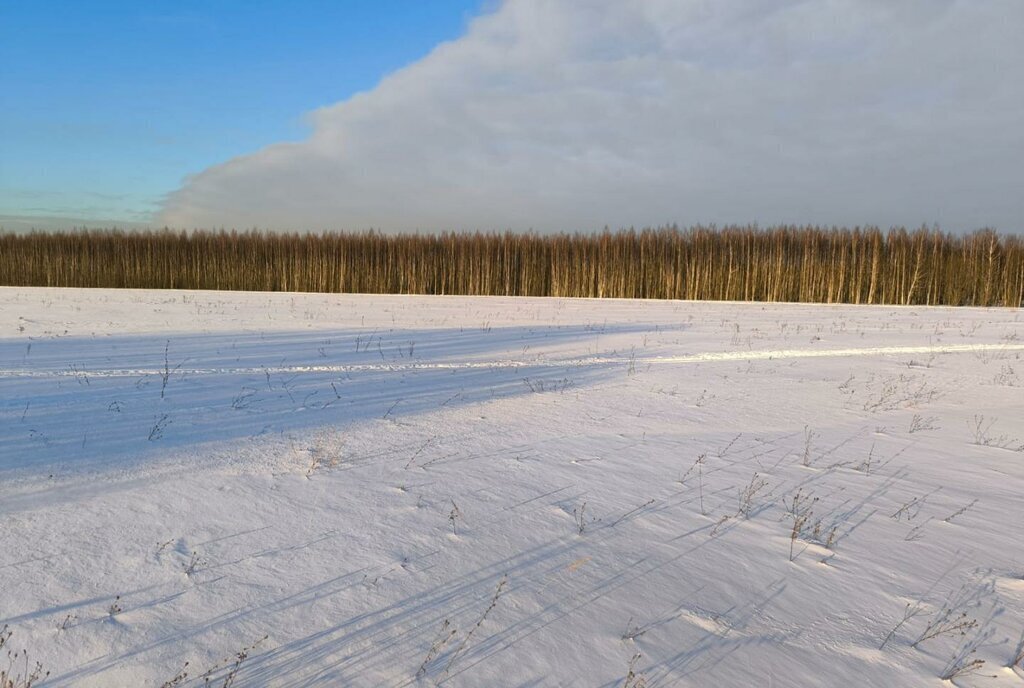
(703, 357)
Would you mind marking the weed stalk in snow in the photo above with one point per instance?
(946, 622)
(578, 515)
(453, 515)
(634, 679)
(483, 617)
(747, 494)
(18, 673)
(178, 679)
(444, 637)
(1018, 654)
(909, 613)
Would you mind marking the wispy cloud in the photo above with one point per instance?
(565, 115)
(22, 209)
(47, 222)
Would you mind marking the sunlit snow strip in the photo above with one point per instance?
(833, 353)
(710, 356)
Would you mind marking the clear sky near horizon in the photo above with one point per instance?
(106, 106)
(511, 114)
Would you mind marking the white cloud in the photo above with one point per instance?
(575, 114)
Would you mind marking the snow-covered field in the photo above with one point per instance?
(403, 491)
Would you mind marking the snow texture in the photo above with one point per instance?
(463, 491)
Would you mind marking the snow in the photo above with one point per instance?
(457, 491)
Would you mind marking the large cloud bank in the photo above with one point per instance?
(576, 114)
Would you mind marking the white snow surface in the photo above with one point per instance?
(474, 491)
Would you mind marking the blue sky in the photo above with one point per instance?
(105, 107)
(551, 115)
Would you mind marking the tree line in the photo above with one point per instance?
(741, 263)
